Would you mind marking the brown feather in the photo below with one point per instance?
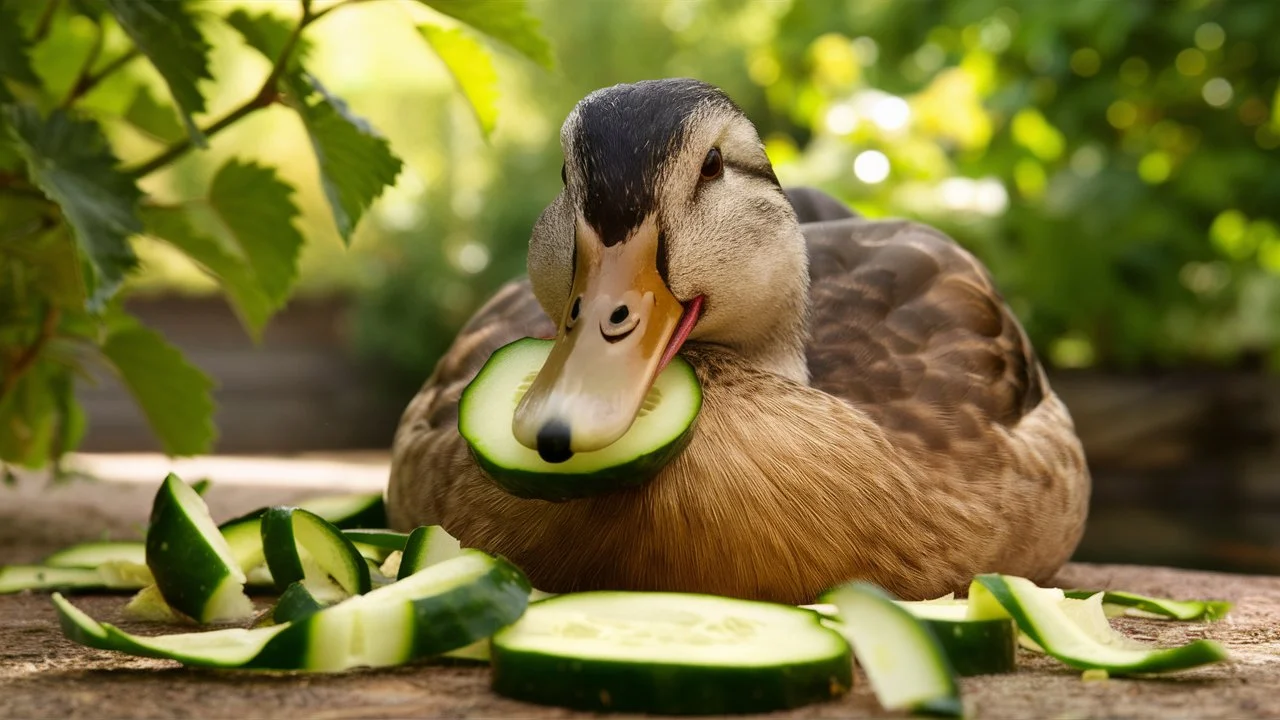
(927, 448)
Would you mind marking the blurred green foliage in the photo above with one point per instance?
(1114, 162)
(101, 104)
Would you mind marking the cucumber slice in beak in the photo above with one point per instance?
(447, 607)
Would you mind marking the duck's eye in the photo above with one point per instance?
(575, 309)
(564, 176)
(712, 165)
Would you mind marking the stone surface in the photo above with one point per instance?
(42, 675)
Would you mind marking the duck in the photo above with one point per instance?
(872, 408)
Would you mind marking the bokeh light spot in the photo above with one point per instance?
(1155, 167)
(871, 167)
(1190, 62)
(1086, 62)
(1122, 114)
(1210, 36)
(1217, 92)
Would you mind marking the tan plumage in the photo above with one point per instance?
(925, 447)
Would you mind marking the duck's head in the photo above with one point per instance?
(671, 229)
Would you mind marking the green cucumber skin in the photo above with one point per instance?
(997, 638)
(556, 487)
(604, 686)
(415, 552)
(1208, 610)
(465, 615)
(79, 556)
(495, 600)
(1199, 652)
(295, 603)
(379, 538)
(280, 548)
(175, 543)
(371, 517)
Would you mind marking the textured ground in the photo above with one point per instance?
(42, 675)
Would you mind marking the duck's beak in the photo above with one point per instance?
(621, 328)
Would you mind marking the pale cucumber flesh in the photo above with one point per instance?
(489, 404)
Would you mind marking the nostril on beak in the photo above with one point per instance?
(553, 441)
(620, 314)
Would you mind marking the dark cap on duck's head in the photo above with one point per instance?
(622, 137)
(667, 188)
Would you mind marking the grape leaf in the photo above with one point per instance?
(173, 394)
(471, 67)
(257, 208)
(14, 61)
(168, 35)
(175, 226)
(153, 117)
(71, 162)
(28, 417)
(507, 21)
(268, 34)
(356, 163)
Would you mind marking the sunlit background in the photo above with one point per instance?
(1116, 163)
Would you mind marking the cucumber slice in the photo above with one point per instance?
(446, 607)
(659, 433)
(1080, 642)
(349, 511)
(974, 647)
(388, 540)
(93, 554)
(669, 653)
(194, 567)
(905, 662)
(1126, 602)
(427, 545)
(301, 546)
(296, 603)
(108, 576)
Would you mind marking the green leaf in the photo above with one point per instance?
(70, 419)
(238, 281)
(173, 394)
(28, 416)
(14, 61)
(153, 117)
(356, 163)
(257, 208)
(268, 34)
(472, 69)
(507, 21)
(52, 264)
(71, 162)
(168, 35)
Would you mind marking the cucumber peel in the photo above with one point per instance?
(108, 576)
(194, 567)
(446, 607)
(906, 664)
(659, 433)
(1082, 643)
(1207, 610)
(301, 546)
(425, 547)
